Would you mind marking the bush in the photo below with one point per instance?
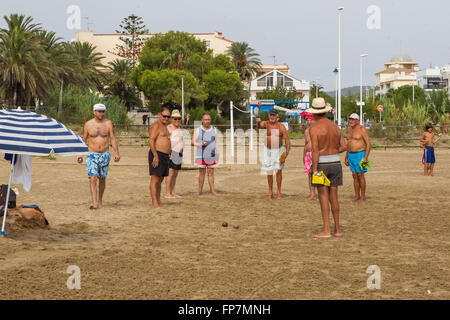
(77, 107)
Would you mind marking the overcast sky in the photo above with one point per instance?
(302, 34)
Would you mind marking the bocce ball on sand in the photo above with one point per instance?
(225, 224)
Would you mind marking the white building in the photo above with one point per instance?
(400, 71)
(275, 78)
(431, 78)
(106, 43)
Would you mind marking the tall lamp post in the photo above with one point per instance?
(335, 71)
(182, 97)
(340, 9)
(361, 103)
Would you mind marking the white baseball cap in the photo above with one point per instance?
(354, 116)
(99, 107)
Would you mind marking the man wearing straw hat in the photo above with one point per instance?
(327, 142)
(100, 133)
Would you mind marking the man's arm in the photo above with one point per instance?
(286, 138)
(85, 138)
(365, 136)
(438, 138)
(260, 124)
(422, 139)
(342, 144)
(195, 138)
(315, 149)
(113, 140)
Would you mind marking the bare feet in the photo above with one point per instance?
(93, 207)
(270, 196)
(355, 199)
(338, 233)
(176, 196)
(278, 196)
(361, 200)
(169, 196)
(311, 197)
(322, 235)
(214, 193)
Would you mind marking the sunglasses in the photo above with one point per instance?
(165, 116)
(176, 118)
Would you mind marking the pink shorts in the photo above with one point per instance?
(308, 162)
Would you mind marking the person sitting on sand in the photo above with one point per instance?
(176, 158)
(159, 155)
(327, 142)
(98, 134)
(206, 153)
(307, 158)
(358, 149)
(428, 158)
(273, 150)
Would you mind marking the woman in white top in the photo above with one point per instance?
(177, 144)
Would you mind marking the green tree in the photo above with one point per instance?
(222, 87)
(132, 27)
(26, 71)
(279, 93)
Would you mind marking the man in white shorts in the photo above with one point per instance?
(274, 153)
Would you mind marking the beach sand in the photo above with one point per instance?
(129, 250)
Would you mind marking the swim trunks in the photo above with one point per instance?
(332, 170)
(97, 164)
(176, 158)
(162, 170)
(428, 155)
(354, 159)
(308, 162)
(271, 160)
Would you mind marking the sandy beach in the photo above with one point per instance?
(129, 250)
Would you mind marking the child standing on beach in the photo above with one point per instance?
(307, 158)
(428, 140)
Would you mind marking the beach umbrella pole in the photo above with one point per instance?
(3, 234)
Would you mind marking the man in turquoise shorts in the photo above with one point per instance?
(98, 134)
(358, 149)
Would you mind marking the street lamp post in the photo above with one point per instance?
(361, 116)
(317, 86)
(340, 9)
(335, 71)
(182, 97)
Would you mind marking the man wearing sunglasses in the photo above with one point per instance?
(358, 149)
(100, 133)
(159, 154)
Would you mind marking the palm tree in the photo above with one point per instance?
(246, 61)
(87, 62)
(25, 68)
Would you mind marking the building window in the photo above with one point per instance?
(269, 81)
(261, 82)
(208, 44)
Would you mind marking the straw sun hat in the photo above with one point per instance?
(318, 106)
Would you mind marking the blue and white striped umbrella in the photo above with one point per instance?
(25, 132)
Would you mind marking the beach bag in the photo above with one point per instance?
(12, 196)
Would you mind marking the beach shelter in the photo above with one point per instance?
(27, 133)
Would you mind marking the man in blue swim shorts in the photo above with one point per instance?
(358, 149)
(98, 134)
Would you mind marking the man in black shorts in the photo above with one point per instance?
(327, 142)
(158, 155)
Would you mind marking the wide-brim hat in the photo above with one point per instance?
(319, 106)
(176, 113)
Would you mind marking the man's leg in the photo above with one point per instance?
(425, 169)
(312, 191)
(101, 190)
(158, 191)
(279, 179)
(201, 179)
(362, 185)
(211, 181)
(335, 210)
(324, 206)
(431, 169)
(356, 186)
(270, 183)
(169, 184)
(154, 181)
(93, 185)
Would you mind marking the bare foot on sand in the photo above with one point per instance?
(270, 196)
(362, 200)
(322, 235)
(177, 196)
(279, 196)
(355, 199)
(338, 233)
(93, 207)
(169, 196)
(214, 193)
(311, 197)
(99, 206)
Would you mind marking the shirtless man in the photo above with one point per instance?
(327, 142)
(273, 150)
(428, 140)
(358, 148)
(159, 155)
(307, 158)
(98, 134)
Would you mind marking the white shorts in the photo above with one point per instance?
(271, 160)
